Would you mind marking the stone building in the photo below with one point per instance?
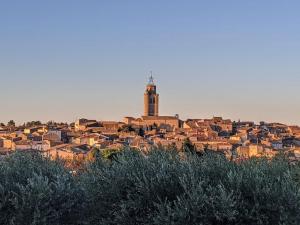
(151, 116)
(83, 124)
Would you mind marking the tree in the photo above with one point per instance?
(94, 154)
(51, 123)
(172, 147)
(33, 123)
(11, 123)
(110, 153)
(2, 125)
(141, 132)
(187, 146)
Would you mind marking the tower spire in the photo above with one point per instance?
(151, 79)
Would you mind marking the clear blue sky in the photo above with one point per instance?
(64, 59)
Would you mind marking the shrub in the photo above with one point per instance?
(35, 190)
(161, 187)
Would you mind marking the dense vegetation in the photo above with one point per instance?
(160, 188)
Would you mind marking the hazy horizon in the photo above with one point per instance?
(63, 60)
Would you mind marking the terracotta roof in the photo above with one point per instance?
(159, 118)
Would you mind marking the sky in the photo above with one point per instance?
(66, 59)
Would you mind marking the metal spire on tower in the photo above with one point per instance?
(151, 79)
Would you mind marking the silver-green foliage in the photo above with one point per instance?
(159, 188)
(37, 191)
(164, 188)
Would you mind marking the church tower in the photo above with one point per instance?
(151, 99)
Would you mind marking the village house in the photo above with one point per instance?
(31, 130)
(8, 142)
(41, 145)
(140, 143)
(22, 145)
(52, 136)
(91, 139)
(249, 151)
(111, 125)
(4, 132)
(168, 123)
(83, 124)
(68, 152)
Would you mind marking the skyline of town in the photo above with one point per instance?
(236, 140)
(73, 118)
(151, 110)
(150, 81)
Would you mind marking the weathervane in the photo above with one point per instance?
(151, 79)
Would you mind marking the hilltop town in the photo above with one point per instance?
(234, 139)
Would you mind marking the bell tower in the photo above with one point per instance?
(151, 99)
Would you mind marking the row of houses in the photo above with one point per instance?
(233, 139)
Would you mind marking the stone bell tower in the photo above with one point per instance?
(151, 99)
